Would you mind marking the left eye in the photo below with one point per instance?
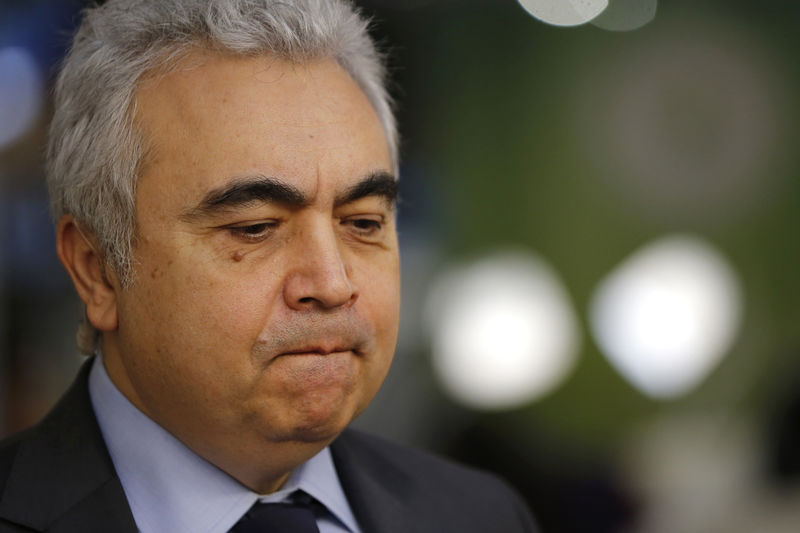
(365, 226)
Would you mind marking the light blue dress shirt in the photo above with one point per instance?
(171, 489)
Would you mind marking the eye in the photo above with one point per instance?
(253, 232)
(365, 226)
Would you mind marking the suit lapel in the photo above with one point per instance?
(375, 488)
(62, 479)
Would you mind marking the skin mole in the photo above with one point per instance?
(238, 255)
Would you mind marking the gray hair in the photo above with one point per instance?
(95, 151)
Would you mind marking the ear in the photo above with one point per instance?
(86, 267)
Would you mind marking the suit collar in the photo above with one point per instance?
(62, 478)
(375, 488)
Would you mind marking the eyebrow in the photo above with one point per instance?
(381, 184)
(245, 191)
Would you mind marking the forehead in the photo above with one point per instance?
(215, 117)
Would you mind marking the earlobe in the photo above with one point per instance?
(86, 267)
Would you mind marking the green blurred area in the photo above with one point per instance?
(505, 114)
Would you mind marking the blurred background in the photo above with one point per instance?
(599, 230)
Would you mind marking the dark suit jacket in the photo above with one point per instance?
(59, 477)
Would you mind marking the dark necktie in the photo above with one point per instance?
(294, 517)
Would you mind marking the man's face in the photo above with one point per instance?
(266, 304)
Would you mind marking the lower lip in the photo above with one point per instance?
(315, 359)
(314, 369)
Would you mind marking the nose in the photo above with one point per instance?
(320, 278)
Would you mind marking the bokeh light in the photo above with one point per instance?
(564, 12)
(503, 331)
(667, 315)
(626, 15)
(21, 93)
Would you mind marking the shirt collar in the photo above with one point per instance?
(171, 488)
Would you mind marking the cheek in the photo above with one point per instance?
(380, 295)
(204, 308)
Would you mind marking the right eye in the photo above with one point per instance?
(253, 232)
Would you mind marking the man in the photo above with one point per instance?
(223, 173)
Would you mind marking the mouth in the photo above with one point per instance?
(320, 350)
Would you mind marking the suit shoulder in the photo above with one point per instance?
(8, 453)
(9, 444)
(414, 460)
(9, 447)
(440, 485)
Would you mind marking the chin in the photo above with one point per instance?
(316, 435)
(309, 433)
(316, 422)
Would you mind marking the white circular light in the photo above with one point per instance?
(21, 93)
(503, 331)
(626, 15)
(667, 315)
(564, 12)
